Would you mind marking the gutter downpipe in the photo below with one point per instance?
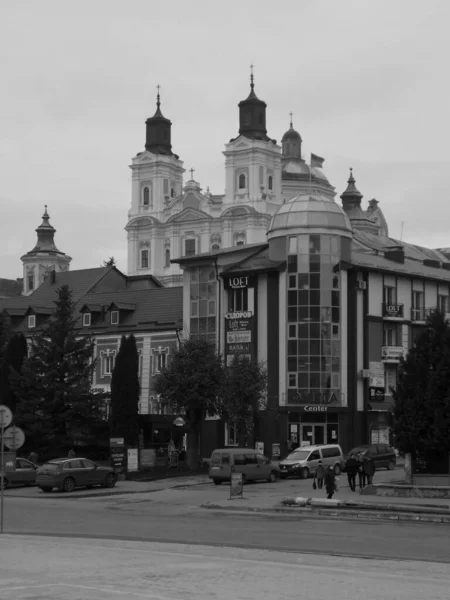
(219, 306)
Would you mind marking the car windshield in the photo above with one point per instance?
(299, 455)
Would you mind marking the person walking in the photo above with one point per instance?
(33, 457)
(369, 469)
(330, 482)
(71, 453)
(361, 473)
(319, 474)
(351, 469)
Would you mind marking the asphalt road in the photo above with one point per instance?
(140, 518)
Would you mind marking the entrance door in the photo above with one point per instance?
(314, 434)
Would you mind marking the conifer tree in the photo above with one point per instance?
(15, 352)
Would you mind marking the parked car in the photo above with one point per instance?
(24, 473)
(382, 455)
(66, 474)
(303, 461)
(252, 464)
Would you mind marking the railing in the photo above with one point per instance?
(421, 313)
(392, 310)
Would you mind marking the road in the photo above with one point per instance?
(68, 569)
(170, 517)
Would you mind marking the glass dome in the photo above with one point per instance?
(309, 211)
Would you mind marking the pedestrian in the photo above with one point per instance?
(330, 482)
(33, 457)
(351, 469)
(361, 473)
(319, 475)
(369, 469)
(71, 453)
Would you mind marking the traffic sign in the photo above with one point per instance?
(13, 438)
(5, 416)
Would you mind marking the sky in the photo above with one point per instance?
(367, 82)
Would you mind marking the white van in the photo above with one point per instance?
(303, 462)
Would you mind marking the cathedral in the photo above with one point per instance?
(170, 219)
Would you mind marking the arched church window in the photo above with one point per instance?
(144, 259)
(167, 255)
(242, 181)
(30, 281)
(270, 182)
(146, 196)
(172, 193)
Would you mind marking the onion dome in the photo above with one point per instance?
(252, 115)
(291, 144)
(158, 132)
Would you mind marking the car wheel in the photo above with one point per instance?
(391, 465)
(217, 481)
(272, 477)
(110, 480)
(68, 484)
(304, 474)
(337, 469)
(46, 489)
(5, 483)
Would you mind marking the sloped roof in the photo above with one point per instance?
(259, 261)
(410, 267)
(9, 288)
(381, 243)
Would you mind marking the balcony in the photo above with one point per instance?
(392, 354)
(393, 312)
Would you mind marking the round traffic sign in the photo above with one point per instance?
(179, 422)
(5, 415)
(13, 438)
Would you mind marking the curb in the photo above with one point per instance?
(379, 506)
(308, 511)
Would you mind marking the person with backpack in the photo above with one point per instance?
(319, 475)
(330, 482)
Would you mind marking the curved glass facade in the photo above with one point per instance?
(313, 320)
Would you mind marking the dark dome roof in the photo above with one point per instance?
(291, 134)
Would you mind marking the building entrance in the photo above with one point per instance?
(305, 429)
(313, 433)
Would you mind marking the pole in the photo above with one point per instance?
(2, 463)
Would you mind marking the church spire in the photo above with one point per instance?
(252, 114)
(352, 197)
(158, 131)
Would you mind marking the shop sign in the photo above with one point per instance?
(117, 454)
(132, 459)
(239, 335)
(393, 310)
(315, 409)
(317, 398)
(392, 352)
(376, 374)
(376, 394)
(238, 282)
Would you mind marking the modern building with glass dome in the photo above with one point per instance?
(330, 304)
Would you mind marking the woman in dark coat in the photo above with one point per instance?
(351, 469)
(361, 473)
(330, 482)
(369, 469)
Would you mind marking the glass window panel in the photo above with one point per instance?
(335, 249)
(335, 364)
(325, 314)
(314, 331)
(204, 274)
(314, 263)
(292, 245)
(194, 291)
(211, 307)
(335, 314)
(292, 347)
(303, 298)
(303, 364)
(203, 290)
(211, 289)
(194, 326)
(325, 297)
(292, 330)
(314, 298)
(302, 380)
(292, 264)
(303, 281)
(336, 285)
(292, 281)
(211, 324)
(325, 381)
(303, 263)
(325, 330)
(303, 347)
(335, 298)
(316, 363)
(292, 363)
(302, 329)
(314, 244)
(314, 313)
(212, 274)
(303, 313)
(335, 348)
(314, 347)
(292, 298)
(292, 313)
(303, 244)
(194, 309)
(326, 348)
(292, 380)
(325, 244)
(202, 308)
(194, 275)
(314, 380)
(314, 281)
(202, 326)
(297, 218)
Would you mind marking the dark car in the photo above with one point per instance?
(382, 455)
(66, 474)
(24, 473)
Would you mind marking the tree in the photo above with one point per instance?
(125, 392)
(421, 415)
(111, 262)
(243, 396)
(14, 355)
(57, 407)
(191, 384)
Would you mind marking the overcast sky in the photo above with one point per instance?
(367, 81)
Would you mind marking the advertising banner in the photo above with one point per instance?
(118, 456)
(132, 460)
(236, 486)
(239, 335)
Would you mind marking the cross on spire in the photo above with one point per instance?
(290, 114)
(251, 76)
(192, 171)
(157, 96)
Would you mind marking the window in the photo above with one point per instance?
(418, 313)
(239, 460)
(270, 183)
(88, 464)
(314, 455)
(242, 185)
(443, 303)
(225, 459)
(172, 193)
(167, 259)
(390, 295)
(330, 452)
(390, 379)
(189, 247)
(146, 196)
(114, 317)
(166, 187)
(292, 382)
(261, 175)
(31, 321)
(230, 435)
(159, 359)
(250, 458)
(238, 299)
(144, 259)
(108, 364)
(30, 282)
(390, 336)
(86, 319)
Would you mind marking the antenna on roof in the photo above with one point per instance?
(401, 231)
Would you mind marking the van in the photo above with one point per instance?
(382, 455)
(303, 461)
(252, 464)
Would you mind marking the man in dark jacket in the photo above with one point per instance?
(330, 482)
(351, 468)
(369, 469)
